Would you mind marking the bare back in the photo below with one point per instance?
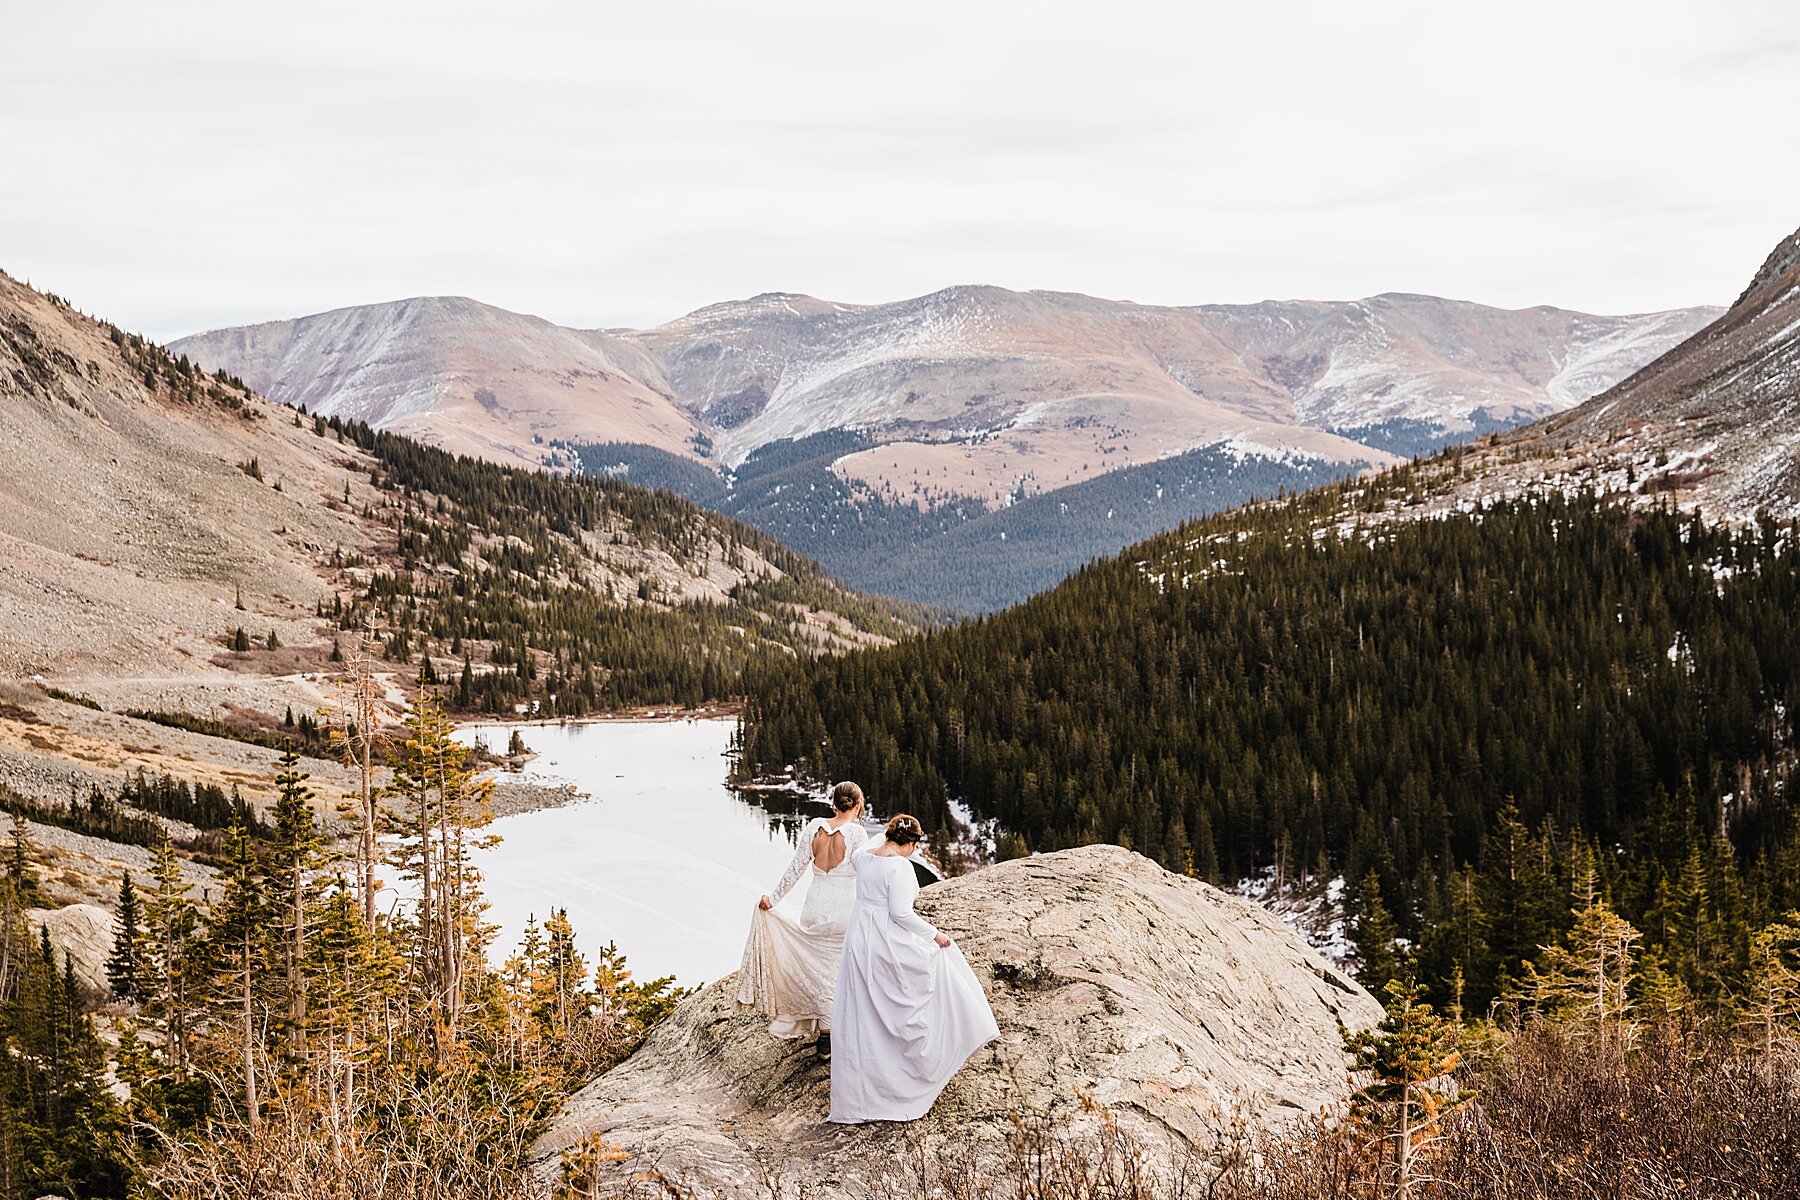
(828, 849)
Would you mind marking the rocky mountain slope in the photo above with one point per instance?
(1711, 425)
(890, 441)
(1716, 418)
(149, 508)
(1168, 1003)
(182, 558)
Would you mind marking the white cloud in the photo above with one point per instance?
(177, 166)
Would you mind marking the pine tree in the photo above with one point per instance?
(123, 964)
(295, 855)
(171, 928)
(239, 945)
(1408, 1057)
(355, 976)
(465, 688)
(1688, 921)
(1771, 1000)
(1455, 945)
(1375, 937)
(441, 804)
(1518, 890)
(360, 737)
(1660, 994)
(562, 975)
(1589, 979)
(18, 864)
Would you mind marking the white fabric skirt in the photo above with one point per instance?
(790, 968)
(909, 1014)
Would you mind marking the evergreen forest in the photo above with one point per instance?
(951, 551)
(1469, 716)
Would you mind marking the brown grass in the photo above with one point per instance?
(1686, 1114)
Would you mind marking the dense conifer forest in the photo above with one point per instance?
(1465, 716)
(500, 568)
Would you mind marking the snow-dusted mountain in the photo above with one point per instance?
(1046, 389)
(1712, 426)
(863, 433)
(1717, 419)
(465, 375)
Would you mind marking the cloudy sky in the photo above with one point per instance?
(178, 166)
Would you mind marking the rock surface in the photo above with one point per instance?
(83, 933)
(1165, 1000)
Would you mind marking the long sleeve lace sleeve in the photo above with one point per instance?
(797, 869)
(900, 897)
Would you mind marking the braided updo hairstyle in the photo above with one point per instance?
(903, 829)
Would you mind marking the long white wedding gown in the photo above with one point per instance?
(790, 968)
(908, 1013)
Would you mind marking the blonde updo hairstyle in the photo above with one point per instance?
(903, 829)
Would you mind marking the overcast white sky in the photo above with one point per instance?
(177, 166)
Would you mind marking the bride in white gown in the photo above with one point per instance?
(790, 968)
(909, 1010)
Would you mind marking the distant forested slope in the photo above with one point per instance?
(962, 555)
(573, 592)
(1463, 714)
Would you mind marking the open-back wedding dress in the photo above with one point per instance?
(908, 1012)
(790, 968)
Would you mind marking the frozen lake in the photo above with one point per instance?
(660, 857)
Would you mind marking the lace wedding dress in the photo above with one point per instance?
(790, 968)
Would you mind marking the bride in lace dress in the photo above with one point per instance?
(790, 968)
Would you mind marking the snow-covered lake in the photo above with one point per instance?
(660, 857)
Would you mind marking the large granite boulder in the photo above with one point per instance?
(1168, 1003)
(81, 933)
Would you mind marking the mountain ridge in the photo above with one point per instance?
(961, 401)
(927, 338)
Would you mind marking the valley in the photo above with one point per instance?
(1564, 652)
(189, 573)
